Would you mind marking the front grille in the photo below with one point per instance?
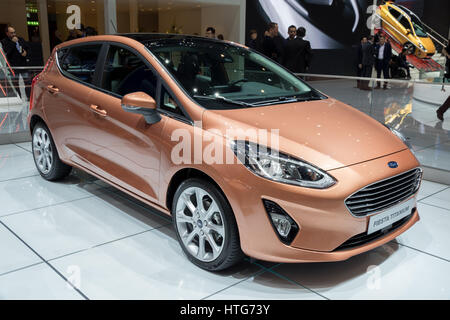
(384, 194)
(364, 238)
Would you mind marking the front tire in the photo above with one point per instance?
(205, 225)
(409, 47)
(46, 156)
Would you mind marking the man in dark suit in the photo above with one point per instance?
(291, 49)
(254, 41)
(383, 55)
(270, 45)
(358, 59)
(367, 61)
(15, 48)
(17, 52)
(304, 53)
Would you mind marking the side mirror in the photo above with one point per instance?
(141, 103)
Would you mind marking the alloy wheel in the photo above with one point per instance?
(200, 224)
(42, 150)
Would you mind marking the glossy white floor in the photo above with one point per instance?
(80, 239)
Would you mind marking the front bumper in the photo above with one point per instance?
(324, 220)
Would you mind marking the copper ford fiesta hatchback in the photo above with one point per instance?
(245, 157)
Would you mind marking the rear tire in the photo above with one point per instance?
(208, 232)
(46, 156)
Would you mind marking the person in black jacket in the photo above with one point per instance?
(291, 49)
(270, 45)
(305, 53)
(367, 62)
(17, 52)
(254, 41)
(358, 59)
(383, 55)
(440, 112)
(400, 63)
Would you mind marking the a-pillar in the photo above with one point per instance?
(110, 16)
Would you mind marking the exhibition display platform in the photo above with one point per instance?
(82, 239)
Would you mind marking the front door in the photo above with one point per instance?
(129, 148)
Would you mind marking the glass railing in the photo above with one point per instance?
(408, 106)
(15, 88)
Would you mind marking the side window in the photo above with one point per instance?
(80, 61)
(168, 103)
(405, 23)
(125, 73)
(396, 14)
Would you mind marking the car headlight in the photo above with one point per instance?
(401, 137)
(272, 165)
(422, 47)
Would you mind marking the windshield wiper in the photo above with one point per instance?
(287, 99)
(226, 100)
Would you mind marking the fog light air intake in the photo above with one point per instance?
(284, 226)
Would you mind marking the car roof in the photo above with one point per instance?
(146, 38)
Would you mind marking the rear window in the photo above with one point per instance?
(80, 61)
(394, 12)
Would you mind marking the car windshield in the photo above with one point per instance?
(219, 75)
(419, 28)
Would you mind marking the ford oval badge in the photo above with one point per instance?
(393, 164)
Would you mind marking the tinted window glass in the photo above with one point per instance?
(125, 72)
(211, 71)
(168, 103)
(419, 28)
(405, 23)
(80, 61)
(394, 12)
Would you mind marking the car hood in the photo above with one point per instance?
(326, 133)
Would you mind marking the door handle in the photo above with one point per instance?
(98, 110)
(52, 89)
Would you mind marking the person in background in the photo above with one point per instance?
(269, 47)
(291, 49)
(292, 33)
(56, 39)
(72, 35)
(446, 54)
(280, 43)
(35, 36)
(90, 31)
(17, 52)
(254, 42)
(440, 112)
(383, 55)
(367, 61)
(211, 32)
(358, 54)
(442, 109)
(403, 62)
(304, 53)
(220, 37)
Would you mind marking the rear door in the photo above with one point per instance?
(66, 101)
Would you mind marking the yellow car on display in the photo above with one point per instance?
(407, 29)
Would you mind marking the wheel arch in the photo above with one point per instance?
(184, 174)
(34, 120)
